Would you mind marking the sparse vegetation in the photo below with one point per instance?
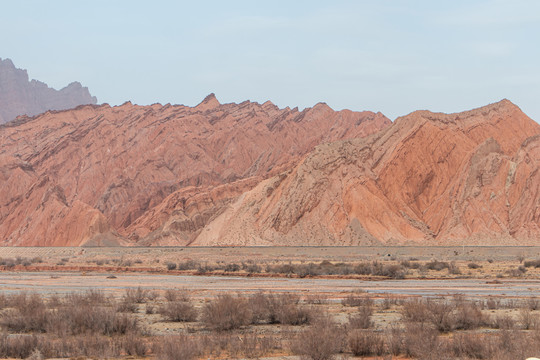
(92, 324)
(188, 323)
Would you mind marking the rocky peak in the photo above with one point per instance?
(210, 102)
(19, 96)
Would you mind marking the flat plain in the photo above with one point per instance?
(372, 298)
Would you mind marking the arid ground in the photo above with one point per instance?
(373, 298)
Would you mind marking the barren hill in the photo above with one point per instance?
(429, 178)
(150, 174)
(19, 96)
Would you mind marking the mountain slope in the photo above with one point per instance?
(429, 178)
(153, 174)
(19, 96)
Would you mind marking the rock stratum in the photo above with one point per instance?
(19, 96)
(254, 174)
(429, 178)
(152, 175)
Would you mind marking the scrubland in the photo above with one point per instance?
(178, 325)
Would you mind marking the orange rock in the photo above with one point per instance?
(429, 178)
(150, 174)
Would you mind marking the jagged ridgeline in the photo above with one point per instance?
(152, 175)
(19, 96)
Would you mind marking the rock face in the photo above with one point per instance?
(429, 178)
(254, 174)
(101, 175)
(19, 96)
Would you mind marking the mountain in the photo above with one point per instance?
(129, 174)
(19, 96)
(470, 178)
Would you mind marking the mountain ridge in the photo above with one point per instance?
(21, 96)
(380, 195)
(117, 164)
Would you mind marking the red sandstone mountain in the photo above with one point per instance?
(429, 178)
(150, 174)
(19, 96)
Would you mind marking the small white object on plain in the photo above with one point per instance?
(532, 359)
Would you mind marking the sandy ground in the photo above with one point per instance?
(229, 254)
(79, 270)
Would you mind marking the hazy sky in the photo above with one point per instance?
(388, 56)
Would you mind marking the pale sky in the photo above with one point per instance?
(388, 56)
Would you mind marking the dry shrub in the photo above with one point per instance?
(440, 315)
(294, 314)
(74, 320)
(4, 301)
(251, 346)
(468, 316)
(474, 346)
(366, 343)
(251, 268)
(516, 272)
(29, 313)
(437, 265)
(394, 340)
(134, 346)
(236, 346)
(453, 269)
(279, 308)
(378, 269)
(443, 315)
(96, 346)
(533, 303)
(388, 301)
(421, 341)
(177, 348)
(188, 265)
(362, 318)
(515, 345)
(528, 320)
(138, 295)
(36, 355)
(126, 305)
(226, 312)
(321, 341)
(492, 304)
(316, 299)
(152, 295)
(532, 263)
(503, 321)
(410, 264)
(178, 311)
(216, 343)
(357, 300)
(233, 267)
(177, 295)
(17, 346)
(88, 297)
(259, 305)
(414, 310)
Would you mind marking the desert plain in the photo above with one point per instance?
(377, 302)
